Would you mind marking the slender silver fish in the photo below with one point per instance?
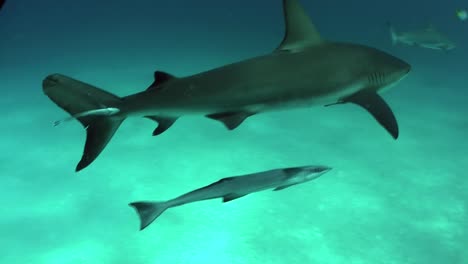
(231, 188)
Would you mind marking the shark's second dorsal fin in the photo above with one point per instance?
(300, 31)
(160, 77)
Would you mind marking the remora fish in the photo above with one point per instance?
(304, 70)
(232, 188)
(428, 37)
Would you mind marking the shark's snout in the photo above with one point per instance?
(400, 69)
(318, 169)
(401, 66)
(51, 80)
(407, 68)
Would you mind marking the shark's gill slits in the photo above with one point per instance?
(376, 79)
(372, 79)
(382, 78)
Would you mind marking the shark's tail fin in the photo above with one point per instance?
(393, 33)
(148, 211)
(96, 109)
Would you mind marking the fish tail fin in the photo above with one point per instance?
(148, 211)
(393, 33)
(96, 109)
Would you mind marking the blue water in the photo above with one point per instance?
(385, 201)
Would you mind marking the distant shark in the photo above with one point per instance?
(232, 188)
(304, 70)
(428, 37)
(2, 2)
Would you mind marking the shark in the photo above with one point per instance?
(232, 188)
(428, 37)
(303, 70)
(2, 2)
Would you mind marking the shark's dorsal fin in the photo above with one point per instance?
(300, 31)
(160, 77)
(226, 179)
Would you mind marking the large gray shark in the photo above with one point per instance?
(232, 188)
(304, 70)
(2, 2)
(428, 37)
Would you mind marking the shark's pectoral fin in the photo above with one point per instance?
(378, 108)
(164, 123)
(284, 187)
(231, 119)
(160, 77)
(232, 196)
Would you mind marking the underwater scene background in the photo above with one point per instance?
(385, 201)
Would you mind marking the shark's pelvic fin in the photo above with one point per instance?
(77, 98)
(231, 119)
(378, 108)
(300, 31)
(160, 77)
(164, 123)
(232, 196)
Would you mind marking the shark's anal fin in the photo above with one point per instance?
(231, 119)
(164, 123)
(378, 108)
(232, 196)
(284, 187)
(160, 77)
